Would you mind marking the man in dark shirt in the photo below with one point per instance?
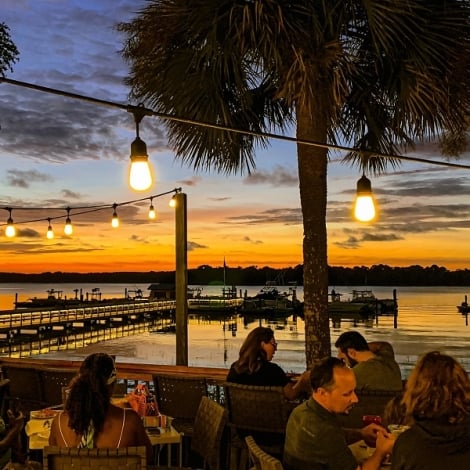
(314, 438)
(373, 364)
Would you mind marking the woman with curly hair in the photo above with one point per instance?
(437, 403)
(90, 419)
(254, 366)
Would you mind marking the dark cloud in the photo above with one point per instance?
(78, 52)
(355, 241)
(429, 187)
(279, 176)
(28, 233)
(194, 181)
(254, 242)
(191, 246)
(24, 178)
(68, 194)
(286, 216)
(219, 199)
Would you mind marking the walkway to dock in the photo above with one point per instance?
(26, 332)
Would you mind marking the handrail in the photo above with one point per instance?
(133, 371)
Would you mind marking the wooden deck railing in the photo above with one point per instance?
(39, 381)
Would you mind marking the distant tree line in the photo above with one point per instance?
(377, 275)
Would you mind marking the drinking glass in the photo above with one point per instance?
(369, 419)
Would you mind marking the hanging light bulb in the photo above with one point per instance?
(140, 176)
(152, 212)
(10, 230)
(364, 208)
(68, 229)
(50, 232)
(115, 219)
(172, 202)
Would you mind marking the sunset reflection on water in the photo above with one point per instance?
(428, 320)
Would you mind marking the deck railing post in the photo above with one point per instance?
(181, 279)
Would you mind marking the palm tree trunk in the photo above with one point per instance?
(312, 164)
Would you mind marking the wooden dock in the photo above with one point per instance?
(31, 331)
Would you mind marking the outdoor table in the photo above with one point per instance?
(38, 430)
(362, 451)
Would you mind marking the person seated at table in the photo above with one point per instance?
(373, 363)
(11, 447)
(314, 437)
(90, 419)
(255, 367)
(437, 400)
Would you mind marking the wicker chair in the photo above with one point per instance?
(371, 402)
(53, 381)
(179, 397)
(261, 412)
(208, 431)
(65, 458)
(259, 459)
(25, 387)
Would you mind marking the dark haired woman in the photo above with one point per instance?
(254, 366)
(90, 419)
(437, 403)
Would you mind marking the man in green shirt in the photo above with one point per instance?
(314, 438)
(373, 364)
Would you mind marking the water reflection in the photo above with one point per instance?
(427, 320)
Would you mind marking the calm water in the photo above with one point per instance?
(427, 320)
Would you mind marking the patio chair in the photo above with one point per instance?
(371, 402)
(209, 428)
(179, 397)
(259, 459)
(261, 412)
(65, 458)
(25, 387)
(53, 381)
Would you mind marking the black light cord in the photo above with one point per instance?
(149, 112)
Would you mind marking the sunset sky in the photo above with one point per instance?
(57, 152)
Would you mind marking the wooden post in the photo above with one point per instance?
(181, 279)
(395, 311)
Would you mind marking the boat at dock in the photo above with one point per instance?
(271, 301)
(227, 302)
(362, 304)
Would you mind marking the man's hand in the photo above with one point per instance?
(370, 432)
(16, 422)
(385, 442)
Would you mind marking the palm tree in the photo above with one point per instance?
(8, 51)
(376, 74)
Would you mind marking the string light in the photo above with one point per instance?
(140, 176)
(115, 219)
(172, 202)
(50, 232)
(10, 230)
(152, 213)
(139, 154)
(68, 229)
(364, 209)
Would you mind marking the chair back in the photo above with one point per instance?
(54, 381)
(65, 458)
(25, 386)
(208, 430)
(179, 397)
(259, 459)
(255, 408)
(371, 402)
